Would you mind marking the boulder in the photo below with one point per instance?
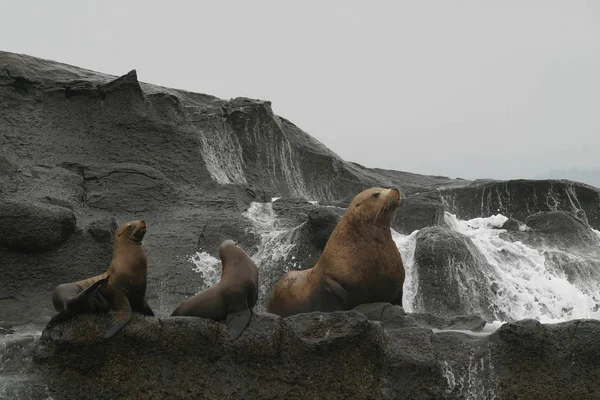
(562, 229)
(418, 212)
(451, 277)
(557, 359)
(302, 356)
(320, 224)
(34, 227)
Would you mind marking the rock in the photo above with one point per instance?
(450, 272)
(103, 230)
(563, 229)
(467, 322)
(34, 228)
(301, 356)
(320, 223)
(569, 245)
(6, 331)
(511, 224)
(126, 187)
(342, 353)
(222, 227)
(520, 198)
(412, 368)
(561, 359)
(418, 212)
(373, 311)
(293, 211)
(27, 282)
(393, 317)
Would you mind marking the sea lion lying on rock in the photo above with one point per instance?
(118, 291)
(360, 263)
(233, 298)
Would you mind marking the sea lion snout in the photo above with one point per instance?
(139, 231)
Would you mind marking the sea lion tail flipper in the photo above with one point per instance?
(89, 299)
(237, 320)
(119, 315)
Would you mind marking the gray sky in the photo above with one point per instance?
(499, 89)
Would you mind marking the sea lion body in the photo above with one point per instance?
(118, 291)
(233, 298)
(359, 264)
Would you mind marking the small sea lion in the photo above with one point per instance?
(359, 264)
(118, 291)
(233, 298)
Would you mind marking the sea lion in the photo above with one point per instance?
(359, 264)
(118, 291)
(233, 298)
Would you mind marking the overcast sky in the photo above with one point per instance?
(499, 89)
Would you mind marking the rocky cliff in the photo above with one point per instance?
(82, 151)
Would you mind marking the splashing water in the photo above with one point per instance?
(527, 281)
(222, 154)
(469, 381)
(276, 243)
(406, 245)
(208, 267)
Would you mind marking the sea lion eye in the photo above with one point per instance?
(376, 195)
(129, 227)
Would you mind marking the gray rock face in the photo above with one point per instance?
(418, 212)
(300, 357)
(34, 228)
(343, 355)
(532, 352)
(562, 229)
(450, 269)
(520, 198)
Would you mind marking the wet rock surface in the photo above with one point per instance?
(521, 198)
(447, 262)
(352, 354)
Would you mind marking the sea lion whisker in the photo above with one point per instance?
(377, 215)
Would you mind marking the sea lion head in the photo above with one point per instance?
(376, 205)
(131, 232)
(229, 250)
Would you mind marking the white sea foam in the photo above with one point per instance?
(276, 242)
(526, 282)
(222, 154)
(406, 246)
(208, 267)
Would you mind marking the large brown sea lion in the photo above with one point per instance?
(118, 291)
(233, 298)
(359, 264)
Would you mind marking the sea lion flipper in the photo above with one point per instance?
(119, 315)
(60, 317)
(338, 291)
(89, 299)
(237, 320)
